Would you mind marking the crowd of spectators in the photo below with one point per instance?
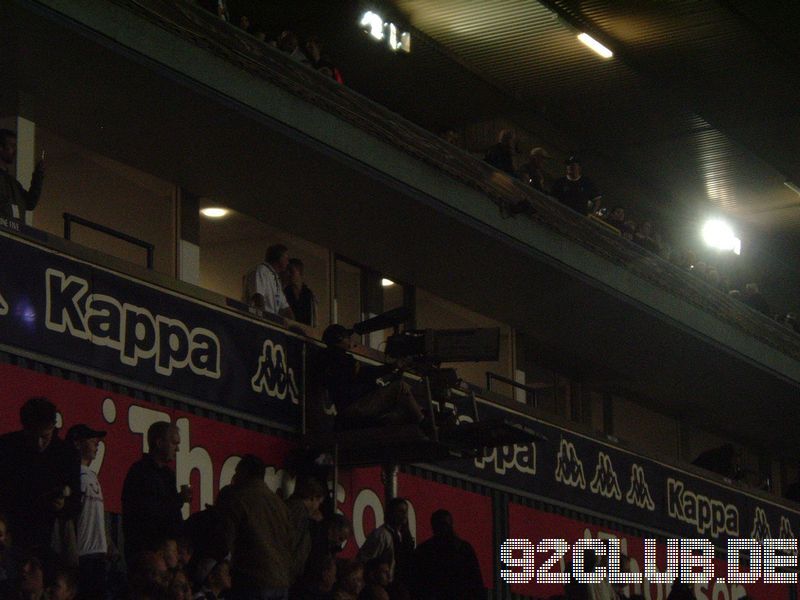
(579, 193)
(308, 51)
(250, 544)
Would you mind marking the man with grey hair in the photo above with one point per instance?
(263, 288)
(532, 172)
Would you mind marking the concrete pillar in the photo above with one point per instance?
(188, 238)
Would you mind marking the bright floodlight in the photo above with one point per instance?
(387, 282)
(214, 212)
(373, 23)
(718, 234)
(592, 43)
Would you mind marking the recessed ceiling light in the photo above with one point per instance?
(387, 282)
(214, 212)
(592, 43)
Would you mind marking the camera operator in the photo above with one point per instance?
(360, 400)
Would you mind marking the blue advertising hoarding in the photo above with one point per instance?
(64, 308)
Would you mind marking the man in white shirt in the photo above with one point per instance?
(91, 525)
(263, 288)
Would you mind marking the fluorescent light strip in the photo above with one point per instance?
(592, 43)
(792, 186)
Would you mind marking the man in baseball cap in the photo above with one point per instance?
(576, 191)
(91, 530)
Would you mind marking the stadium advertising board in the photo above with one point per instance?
(210, 450)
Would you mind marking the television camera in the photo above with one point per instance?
(433, 346)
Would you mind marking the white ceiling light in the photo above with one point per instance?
(592, 43)
(214, 212)
(387, 282)
(718, 234)
(792, 186)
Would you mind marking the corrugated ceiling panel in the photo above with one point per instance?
(639, 102)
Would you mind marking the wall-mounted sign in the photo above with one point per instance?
(383, 31)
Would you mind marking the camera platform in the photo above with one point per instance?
(411, 444)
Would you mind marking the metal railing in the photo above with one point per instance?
(529, 389)
(69, 219)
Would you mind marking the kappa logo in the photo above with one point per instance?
(519, 457)
(569, 468)
(3, 306)
(639, 492)
(273, 375)
(786, 532)
(133, 332)
(605, 481)
(701, 511)
(761, 530)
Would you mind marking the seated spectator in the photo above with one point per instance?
(451, 137)
(304, 510)
(64, 585)
(700, 269)
(30, 584)
(217, 7)
(445, 566)
(167, 548)
(245, 24)
(532, 172)
(263, 289)
(501, 155)
(616, 218)
(393, 543)
(576, 191)
(185, 551)
(331, 536)
(45, 473)
(645, 237)
(713, 278)
(353, 387)
(376, 580)
(148, 576)
(8, 564)
(319, 61)
(754, 299)
(301, 299)
(683, 591)
(629, 230)
(317, 581)
(792, 322)
(625, 591)
(288, 43)
(212, 578)
(349, 580)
